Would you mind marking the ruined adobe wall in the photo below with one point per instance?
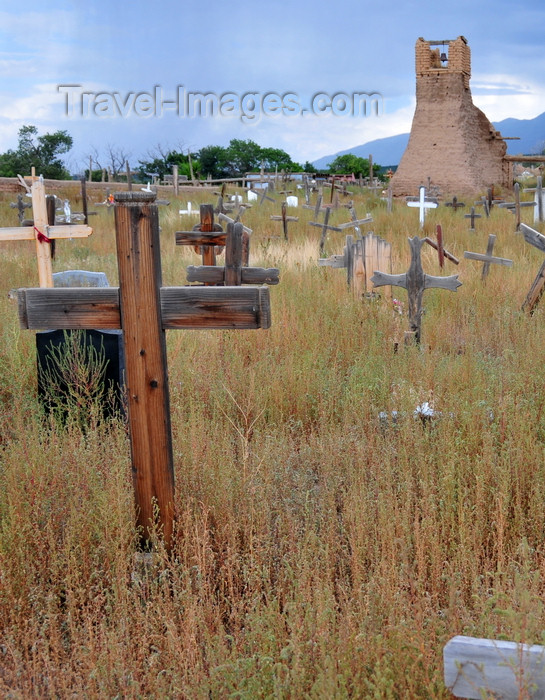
(452, 141)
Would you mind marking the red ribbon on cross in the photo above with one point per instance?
(41, 236)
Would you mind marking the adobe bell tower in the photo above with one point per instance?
(452, 142)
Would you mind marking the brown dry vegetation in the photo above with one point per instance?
(316, 554)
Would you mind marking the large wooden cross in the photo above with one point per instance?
(144, 310)
(43, 233)
(415, 281)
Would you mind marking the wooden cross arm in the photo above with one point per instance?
(533, 237)
(356, 222)
(197, 238)
(181, 307)
(481, 257)
(330, 228)
(451, 283)
(335, 261)
(513, 205)
(276, 217)
(379, 279)
(448, 255)
(210, 274)
(27, 233)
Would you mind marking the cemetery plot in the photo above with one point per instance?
(143, 309)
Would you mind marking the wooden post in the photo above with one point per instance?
(90, 169)
(175, 179)
(84, 200)
(442, 252)
(139, 264)
(371, 183)
(284, 218)
(129, 178)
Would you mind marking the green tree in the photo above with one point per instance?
(349, 163)
(161, 163)
(213, 161)
(242, 157)
(41, 152)
(277, 158)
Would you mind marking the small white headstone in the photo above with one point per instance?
(292, 201)
(252, 196)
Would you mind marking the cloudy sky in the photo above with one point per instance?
(123, 74)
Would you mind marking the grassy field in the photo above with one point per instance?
(317, 553)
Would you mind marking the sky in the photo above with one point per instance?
(127, 75)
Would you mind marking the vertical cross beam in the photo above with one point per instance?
(139, 264)
(423, 204)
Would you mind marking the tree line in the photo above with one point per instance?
(45, 153)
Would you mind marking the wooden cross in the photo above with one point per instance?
(538, 199)
(229, 220)
(538, 286)
(20, 205)
(487, 258)
(234, 273)
(415, 281)
(144, 310)
(388, 198)
(360, 257)
(516, 205)
(423, 204)
(355, 222)
(285, 219)
(43, 233)
(472, 216)
(208, 245)
(455, 204)
(265, 196)
(442, 252)
(325, 228)
(317, 208)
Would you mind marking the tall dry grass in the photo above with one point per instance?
(318, 552)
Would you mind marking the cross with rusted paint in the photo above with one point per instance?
(488, 258)
(234, 273)
(415, 281)
(144, 309)
(285, 219)
(43, 233)
(441, 250)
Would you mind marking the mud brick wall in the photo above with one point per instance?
(452, 141)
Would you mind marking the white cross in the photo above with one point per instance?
(422, 204)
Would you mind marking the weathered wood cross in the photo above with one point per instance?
(472, 216)
(20, 205)
(538, 286)
(144, 309)
(285, 219)
(423, 204)
(415, 281)
(516, 205)
(43, 233)
(488, 258)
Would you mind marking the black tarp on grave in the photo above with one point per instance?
(75, 365)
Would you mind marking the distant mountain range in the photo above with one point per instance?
(388, 151)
